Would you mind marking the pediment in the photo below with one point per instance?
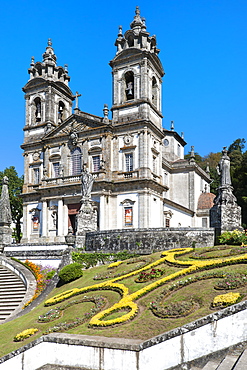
(71, 124)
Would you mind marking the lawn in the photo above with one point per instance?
(179, 292)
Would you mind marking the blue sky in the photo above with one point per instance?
(203, 47)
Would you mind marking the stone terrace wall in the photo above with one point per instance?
(148, 240)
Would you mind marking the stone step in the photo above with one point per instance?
(211, 365)
(242, 362)
(227, 363)
(12, 292)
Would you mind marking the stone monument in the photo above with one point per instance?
(225, 214)
(87, 216)
(5, 216)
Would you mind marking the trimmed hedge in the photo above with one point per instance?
(71, 272)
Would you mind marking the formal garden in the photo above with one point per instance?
(133, 296)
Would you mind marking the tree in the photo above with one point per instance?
(15, 189)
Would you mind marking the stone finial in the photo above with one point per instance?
(137, 22)
(106, 112)
(5, 210)
(207, 169)
(120, 31)
(66, 68)
(192, 155)
(182, 135)
(172, 125)
(32, 62)
(49, 42)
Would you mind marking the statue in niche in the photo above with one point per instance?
(87, 182)
(38, 110)
(223, 169)
(129, 90)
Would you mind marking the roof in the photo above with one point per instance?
(206, 201)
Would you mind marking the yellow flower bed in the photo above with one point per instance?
(25, 334)
(226, 299)
(126, 301)
(114, 264)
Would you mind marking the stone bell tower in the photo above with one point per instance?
(137, 75)
(48, 97)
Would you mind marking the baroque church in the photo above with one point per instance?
(141, 179)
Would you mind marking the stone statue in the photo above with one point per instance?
(87, 182)
(223, 169)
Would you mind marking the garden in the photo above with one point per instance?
(137, 297)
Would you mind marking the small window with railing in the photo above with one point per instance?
(96, 163)
(129, 162)
(56, 167)
(76, 159)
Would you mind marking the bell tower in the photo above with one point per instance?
(137, 75)
(48, 96)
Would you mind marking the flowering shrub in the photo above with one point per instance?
(235, 237)
(114, 264)
(174, 309)
(232, 281)
(146, 276)
(42, 275)
(226, 299)
(25, 334)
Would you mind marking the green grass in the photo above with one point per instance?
(145, 325)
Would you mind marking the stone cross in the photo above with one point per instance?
(77, 95)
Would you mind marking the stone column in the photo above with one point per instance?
(44, 219)
(60, 218)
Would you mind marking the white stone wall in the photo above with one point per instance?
(192, 341)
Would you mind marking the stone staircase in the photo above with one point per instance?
(12, 292)
(234, 359)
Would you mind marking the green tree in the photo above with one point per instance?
(15, 189)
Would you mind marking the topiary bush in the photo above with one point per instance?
(70, 272)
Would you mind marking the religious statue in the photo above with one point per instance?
(129, 90)
(223, 169)
(87, 182)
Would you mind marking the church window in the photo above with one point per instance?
(167, 222)
(96, 163)
(204, 222)
(128, 216)
(75, 168)
(129, 81)
(36, 176)
(56, 167)
(154, 91)
(128, 162)
(37, 103)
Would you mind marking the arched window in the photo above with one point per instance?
(154, 91)
(129, 81)
(61, 107)
(39, 69)
(75, 167)
(37, 108)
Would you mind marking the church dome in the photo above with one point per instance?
(206, 201)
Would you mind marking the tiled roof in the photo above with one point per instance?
(206, 201)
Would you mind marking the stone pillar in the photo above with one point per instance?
(86, 221)
(5, 216)
(44, 219)
(225, 215)
(60, 218)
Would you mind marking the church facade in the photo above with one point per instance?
(141, 179)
